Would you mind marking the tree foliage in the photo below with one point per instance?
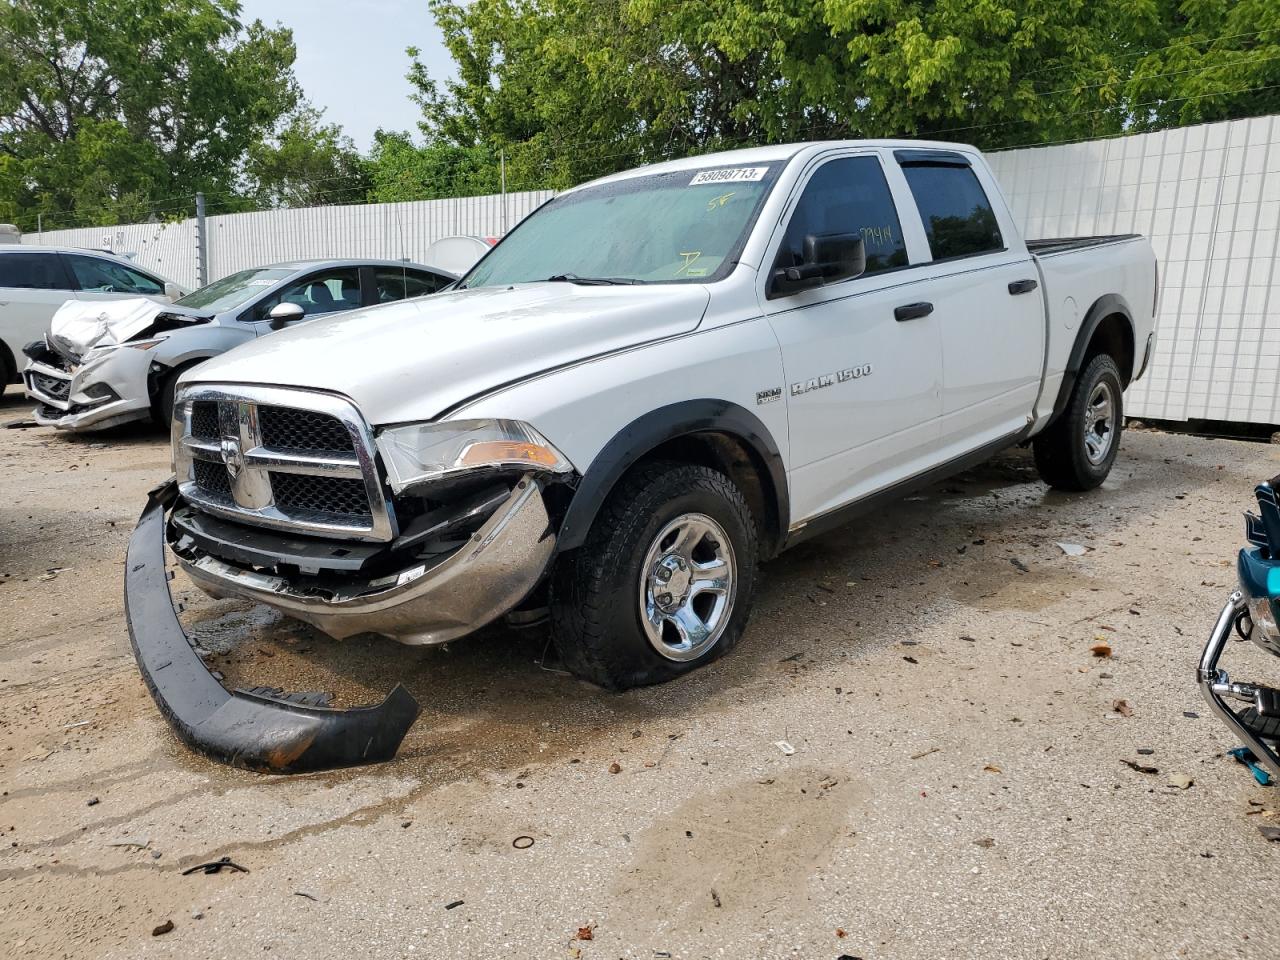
(308, 163)
(109, 109)
(576, 88)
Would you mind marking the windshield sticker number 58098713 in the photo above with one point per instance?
(729, 175)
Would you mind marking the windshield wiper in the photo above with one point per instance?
(590, 281)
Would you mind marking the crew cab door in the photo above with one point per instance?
(984, 288)
(862, 358)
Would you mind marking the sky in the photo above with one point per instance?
(351, 60)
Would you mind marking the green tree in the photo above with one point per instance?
(403, 171)
(114, 110)
(576, 88)
(1208, 60)
(308, 163)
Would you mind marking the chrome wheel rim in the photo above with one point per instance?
(1099, 424)
(687, 585)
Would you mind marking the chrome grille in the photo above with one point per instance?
(204, 420)
(283, 458)
(304, 494)
(285, 429)
(212, 479)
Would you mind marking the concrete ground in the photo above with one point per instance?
(957, 786)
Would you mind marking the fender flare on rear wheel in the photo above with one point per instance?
(1105, 306)
(645, 434)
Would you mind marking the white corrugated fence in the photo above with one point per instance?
(1207, 196)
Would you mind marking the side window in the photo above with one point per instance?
(32, 271)
(329, 291)
(393, 283)
(105, 276)
(848, 195)
(957, 215)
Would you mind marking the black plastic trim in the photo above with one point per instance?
(838, 517)
(1102, 308)
(240, 728)
(931, 158)
(253, 547)
(656, 427)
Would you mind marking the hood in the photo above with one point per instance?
(413, 359)
(80, 325)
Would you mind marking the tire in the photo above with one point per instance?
(1077, 451)
(609, 621)
(162, 402)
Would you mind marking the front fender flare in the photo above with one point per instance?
(646, 433)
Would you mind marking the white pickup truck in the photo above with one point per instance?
(654, 382)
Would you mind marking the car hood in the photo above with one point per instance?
(414, 359)
(81, 325)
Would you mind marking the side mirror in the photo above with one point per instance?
(283, 314)
(172, 292)
(828, 258)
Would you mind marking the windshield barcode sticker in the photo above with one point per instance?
(729, 175)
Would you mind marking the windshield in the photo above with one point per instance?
(230, 292)
(687, 226)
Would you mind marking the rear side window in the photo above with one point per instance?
(395, 283)
(847, 195)
(33, 271)
(957, 215)
(106, 276)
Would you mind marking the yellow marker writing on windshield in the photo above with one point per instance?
(719, 201)
(690, 258)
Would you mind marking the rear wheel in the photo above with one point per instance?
(1077, 451)
(663, 584)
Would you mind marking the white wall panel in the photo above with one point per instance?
(1209, 199)
(240, 240)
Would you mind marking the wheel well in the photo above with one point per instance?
(740, 463)
(1114, 337)
(8, 367)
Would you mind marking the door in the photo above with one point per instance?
(989, 309)
(32, 288)
(863, 384)
(323, 292)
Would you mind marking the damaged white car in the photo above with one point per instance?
(105, 364)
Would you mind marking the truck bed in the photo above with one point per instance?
(1042, 248)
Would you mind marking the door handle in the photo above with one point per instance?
(1022, 286)
(912, 311)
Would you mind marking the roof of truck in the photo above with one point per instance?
(781, 151)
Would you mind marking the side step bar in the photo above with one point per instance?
(269, 733)
(1217, 686)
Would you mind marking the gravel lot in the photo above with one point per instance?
(956, 787)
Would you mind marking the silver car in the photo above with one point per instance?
(94, 381)
(36, 280)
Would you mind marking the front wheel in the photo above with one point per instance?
(1077, 451)
(663, 583)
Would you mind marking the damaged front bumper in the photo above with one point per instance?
(242, 728)
(424, 603)
(105, 391)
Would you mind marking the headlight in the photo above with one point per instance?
(423, 453)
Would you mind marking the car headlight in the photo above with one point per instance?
(425, 453)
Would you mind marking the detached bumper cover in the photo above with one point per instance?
(236, 727)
